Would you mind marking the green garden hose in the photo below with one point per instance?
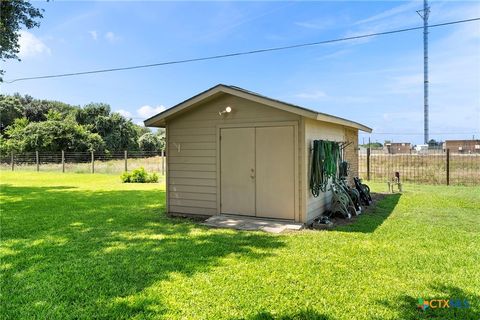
(342, 204)
(325, 158)
(343, 169)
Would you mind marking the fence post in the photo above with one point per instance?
(13, 162)
(448, 167)
(63, 161)
(163, 162)
(368, 163)
(93, 162)
(37, 162)
(126, 163)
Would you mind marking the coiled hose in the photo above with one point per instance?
(325, 158)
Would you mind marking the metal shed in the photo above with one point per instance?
(232, 151)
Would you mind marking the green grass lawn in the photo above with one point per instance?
(81, 246)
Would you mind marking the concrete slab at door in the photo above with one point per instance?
(237, 171)
(275, 161)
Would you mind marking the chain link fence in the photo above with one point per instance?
(430, 166)
(84, 162)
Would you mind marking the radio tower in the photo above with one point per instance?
(424, 15)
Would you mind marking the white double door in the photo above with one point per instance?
(257, 171)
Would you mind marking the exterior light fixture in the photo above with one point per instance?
(227, 110)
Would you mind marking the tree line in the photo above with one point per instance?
(29, 124)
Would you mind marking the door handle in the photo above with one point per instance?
(252, 173)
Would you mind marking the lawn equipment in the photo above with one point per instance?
(322, 223)
(363, 190)
(342, 204)
(353, 194)
(395, 181)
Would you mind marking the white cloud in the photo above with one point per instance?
(397, 17)
(317, 24)
(335, 54)
(404, 116)
(93, 34)
(405, 16)
(230, 18)
(312, 95)
(410, 7)
(111, 37)
(409, 83)
(31, 46)
(144, 112)
(124, 113)
(149, 111)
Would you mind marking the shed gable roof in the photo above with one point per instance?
(159, 120)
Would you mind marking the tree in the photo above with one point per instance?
(373, 145)
(432, 144)
(10, 109)
(91, 112)
(15, 136)
(18, 106)
(117, 132)
(30, 124)
(162, 137)
(150, 142)
(15, 14)
(24, 100)
(37, 110)
(54, 134)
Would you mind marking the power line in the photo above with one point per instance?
(228, 55)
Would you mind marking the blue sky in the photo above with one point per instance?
(376, 81)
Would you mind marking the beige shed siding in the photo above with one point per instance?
(192, 150)
(302, 179)
(351, 153)
(318, 130)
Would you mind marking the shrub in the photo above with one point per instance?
(152, 178)
(125, 177)
(139, 175)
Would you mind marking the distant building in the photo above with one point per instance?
(421, 148)
(398, 147)
(462, 146)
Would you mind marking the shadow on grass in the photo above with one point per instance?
(308, 314)
(374, 217)
(407, 306)
(69, 253)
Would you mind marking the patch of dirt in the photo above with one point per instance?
(191, 217)
(337, 221)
